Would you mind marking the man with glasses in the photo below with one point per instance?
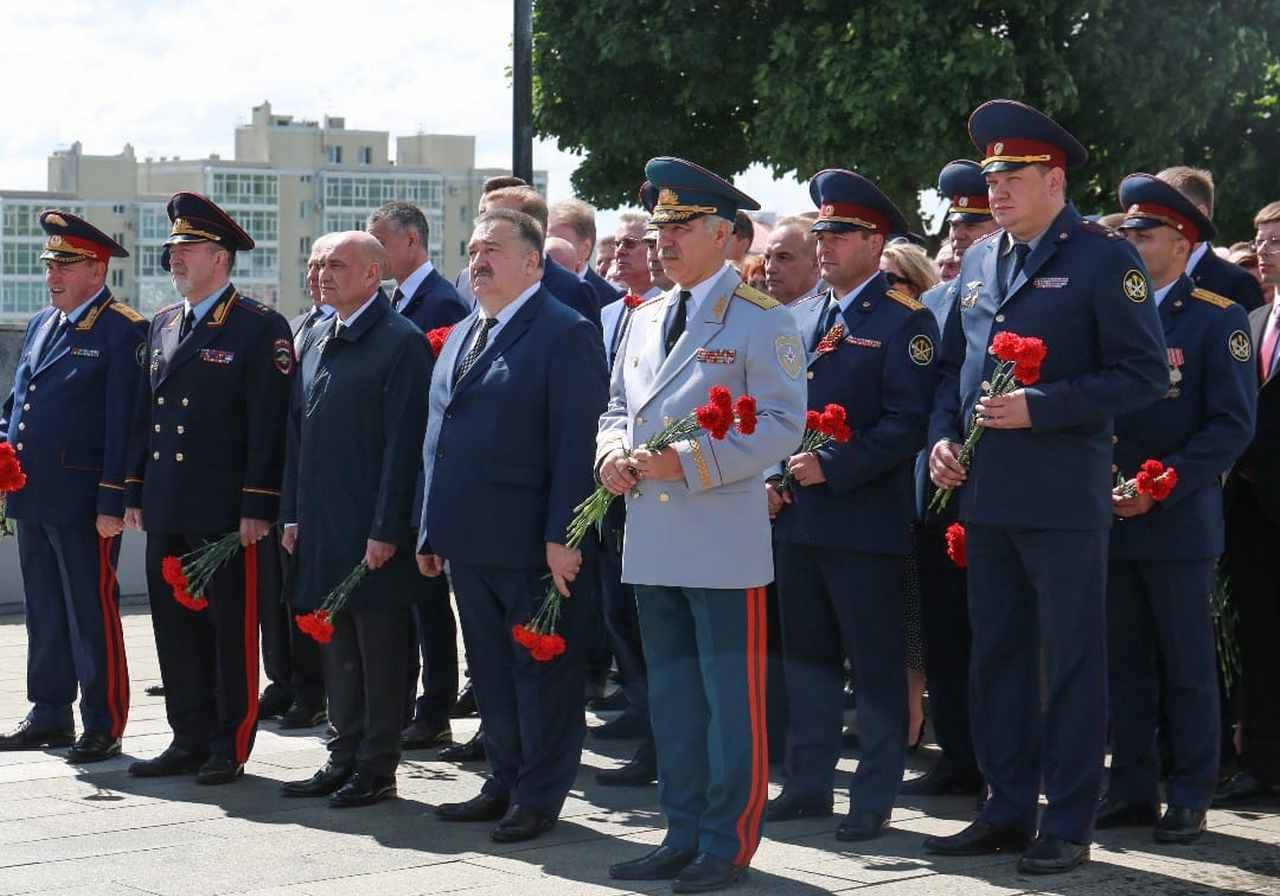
(1253, 530)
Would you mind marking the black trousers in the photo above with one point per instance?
(437, 645)
(944, 612)
(290, 658)
(208, 659)
(622, 621)
(1255, 589)
(366, 670)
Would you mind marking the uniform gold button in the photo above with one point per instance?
(181, 430)
(26, 407)
(155, 456)
(1115, 439)
(22, 426)
(178, 457)
(160, 400)
(999, 318)
(1115, 469)
(19, 446)
(809, 375)
(185, 402)
(664, 498)
(31, 388)
(640, 421)
(157, 427)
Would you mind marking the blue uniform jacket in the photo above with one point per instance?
(884, 372)
(69, 418)
(508, 452)
(1200, 427)
(1226, 279)
(1085, 292)
(939, 300)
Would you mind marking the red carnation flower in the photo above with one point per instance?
(1005, 346)
(317, 625)
(745, 410)
(171, 571)
(1156, 480)
(1028, 357)
(631, 300)
(1151, 467)
(832, 423)
(956, 545)
(813, 421)
(12, 478)
(523, 636)
(721, 397)
(436, 339)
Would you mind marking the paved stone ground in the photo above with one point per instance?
(98, 832)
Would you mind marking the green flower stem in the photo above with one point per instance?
(1002, 382)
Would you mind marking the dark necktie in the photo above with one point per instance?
(188, 321)
(678, 322)
(55, 340)
(486, 324)
(828, 321)
(1019, 260)
(396, 297)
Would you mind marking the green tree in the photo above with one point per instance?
(886, 87)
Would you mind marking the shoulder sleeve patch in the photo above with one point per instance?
(1100, 229)
(903, 299)
(756, 297)
(1212, 298)
(129, 313)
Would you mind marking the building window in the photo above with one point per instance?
(117, 277)
(244, 188)
(117, 209)
(304, 245)
(366, 155)
(462, 248)
(118, 237)
(335, 155)
(302, 210)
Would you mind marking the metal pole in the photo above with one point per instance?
(522, 93)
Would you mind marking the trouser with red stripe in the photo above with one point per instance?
(208, 659)
(73, 627)
(705, 649)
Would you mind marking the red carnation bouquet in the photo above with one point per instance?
(631, 300)
(319, 623)
(957, 544)
(435, 338)
(721, 413)
(822, 428)
(189, 574)
(1154, 479)
(12, 479)
(1018, 364)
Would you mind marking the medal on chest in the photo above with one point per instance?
(1175, 373)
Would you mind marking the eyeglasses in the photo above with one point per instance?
(895, 280)
(1269, 246)
(627, 243)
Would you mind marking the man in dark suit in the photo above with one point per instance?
(355, 424)
(514, 402)
(1253, 531)
(427, 299)
(290, 658)
(67, 419)
(1206, 269)
(575, 221)
(207, 454)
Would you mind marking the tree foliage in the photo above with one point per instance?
(886, 87)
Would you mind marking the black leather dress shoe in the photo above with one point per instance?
(1052, 855)
(1240, 788)
(708, 872)
(1179, 825)
(322, 783)
(484, 807)
(173, 761)
(26, 736)
(640, 771)
(219, 770)
(614, 702)
(942, 780)
(858, 826)
(981, 838)
(521, 824)
(471, 751)
(789, 807)
(422, 734)
(1113, 813)
(363, 789)
(302, 715)
(663, 863)
(625, 727)
(274, 701)
(93, 748)
(466, 703)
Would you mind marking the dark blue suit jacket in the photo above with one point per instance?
(884, 373)
(1085, 292)
(508, 452)
(606, 293)
(435, 303)
(1200, 427)
(69, 417)
(1226, 279)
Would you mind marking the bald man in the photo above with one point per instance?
(355, 430)
(562, 252)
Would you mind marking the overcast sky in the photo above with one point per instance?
(175, 79)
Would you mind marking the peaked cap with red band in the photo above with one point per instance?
(961, 181)
(1150, 202)
(197, 219)
(70, 238)
(1011, 135)
(848, 201)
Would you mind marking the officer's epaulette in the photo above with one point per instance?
(251, 304)
(1212, 298)
(903, 299)
(130, 314)
(1100, 229)
(986, 236)
(176, 306)
(756, 297)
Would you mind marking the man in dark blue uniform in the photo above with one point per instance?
(207, 456)
(844, 527)
(1036, 498)
(431, 302)
(944, 599)
(1160, 635)
(67, 419)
